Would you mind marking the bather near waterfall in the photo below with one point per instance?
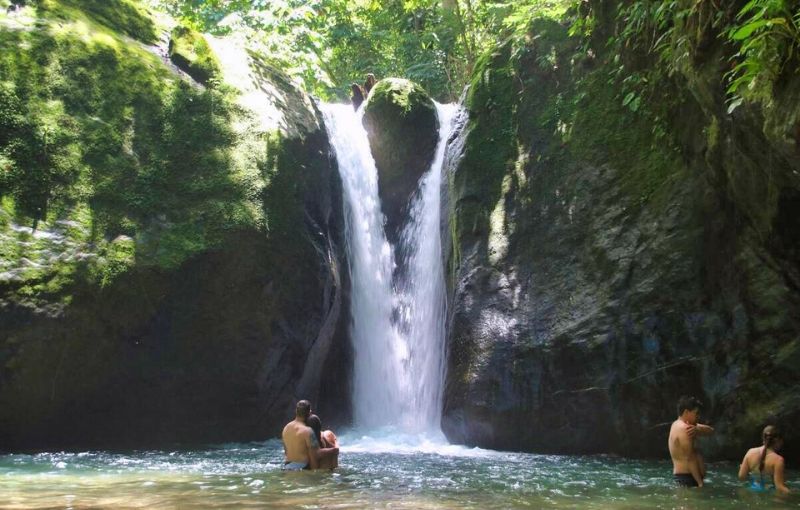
(301, 445)
(688, 467)
(327, 441)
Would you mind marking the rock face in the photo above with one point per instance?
(606, 260)
(187, 285)
(402, 125)
(189, 51)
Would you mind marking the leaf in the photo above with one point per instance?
(628, 98)
(634, 106)
(752, 4)
(745, 31)
(734, 105)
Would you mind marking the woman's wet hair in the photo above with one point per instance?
(770, 436)
(315, 423)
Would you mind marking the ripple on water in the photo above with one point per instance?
(453, 477)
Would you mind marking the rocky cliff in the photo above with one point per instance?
(623, 232)
(172, 261)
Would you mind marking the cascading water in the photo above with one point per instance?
(398, 310)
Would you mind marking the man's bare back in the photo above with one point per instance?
(688, 467)
(299, 442)
(685, 460)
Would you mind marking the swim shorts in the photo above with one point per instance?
(684, 480)
(294, 466)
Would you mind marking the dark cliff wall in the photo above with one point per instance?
(619, 242)
(184, 281)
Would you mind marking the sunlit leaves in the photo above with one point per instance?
(767, 33)
(327, 44)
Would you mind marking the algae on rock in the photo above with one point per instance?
(628, 273)
(189, 51)
(402, 125)
(147, 230)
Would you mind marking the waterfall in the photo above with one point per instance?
(398, 307)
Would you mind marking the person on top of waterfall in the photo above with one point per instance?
(329, 444)
(688, 467)
(300, 445)
(356, 95)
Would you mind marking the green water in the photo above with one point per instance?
(373, 474)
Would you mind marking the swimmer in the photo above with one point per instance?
(765, 460)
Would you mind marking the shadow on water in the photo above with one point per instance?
(436, 475)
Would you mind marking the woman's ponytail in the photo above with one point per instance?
(769, 435)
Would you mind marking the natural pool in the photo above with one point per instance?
(408, 472)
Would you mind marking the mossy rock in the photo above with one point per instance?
(126, 16)
(189, 51)
(403, 126)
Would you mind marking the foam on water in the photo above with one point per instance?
(378, 469)
(391, 440)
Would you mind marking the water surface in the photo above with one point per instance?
(406, 472)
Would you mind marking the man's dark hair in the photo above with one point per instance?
(688, 404)
(303, 409)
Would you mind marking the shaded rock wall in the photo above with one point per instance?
(608, 257)
(193, 298)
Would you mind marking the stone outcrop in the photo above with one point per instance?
(606, 260)
(189, 51)
(402, 125)
(196, 297)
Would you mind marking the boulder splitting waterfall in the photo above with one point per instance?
(398, 305)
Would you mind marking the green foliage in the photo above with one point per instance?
(189, 50)
(328, 44)
(517, 16)
(657, 38)
(115, 259)
(767, 33)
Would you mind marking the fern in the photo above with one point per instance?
(767, 34)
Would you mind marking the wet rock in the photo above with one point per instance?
(598, 273)
(403, 126)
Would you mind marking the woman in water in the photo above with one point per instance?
(328, 443)
(764, 461)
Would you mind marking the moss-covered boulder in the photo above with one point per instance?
(189, 51)
(402, 125)
(128, 17)
(170, 255)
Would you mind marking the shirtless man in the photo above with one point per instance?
(687, 463)
(300, 444)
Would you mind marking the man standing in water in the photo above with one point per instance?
(300, 444)
(688, 467)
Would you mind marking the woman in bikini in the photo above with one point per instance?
(763, 462)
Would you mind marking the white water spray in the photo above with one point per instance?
(397, 316)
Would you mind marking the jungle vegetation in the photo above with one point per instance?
(329, 43)
(63, 111)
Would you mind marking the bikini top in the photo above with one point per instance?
(759, 483)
